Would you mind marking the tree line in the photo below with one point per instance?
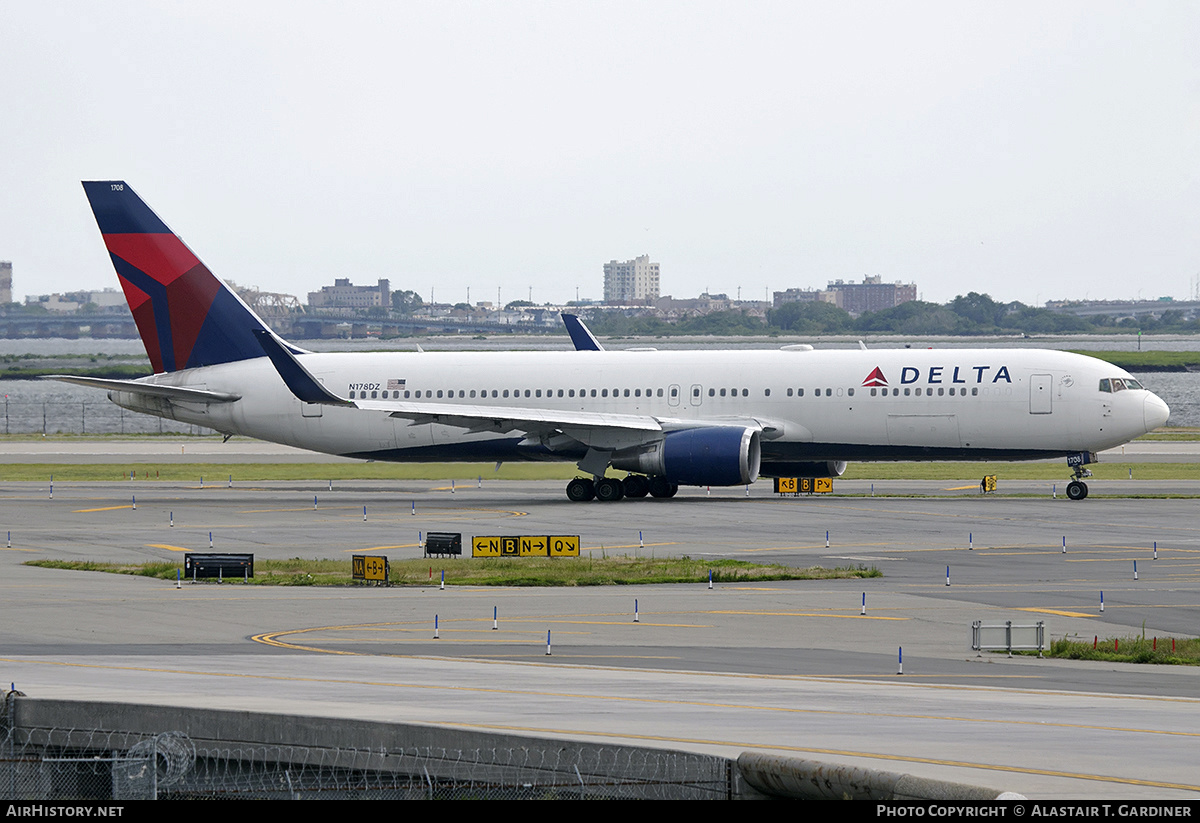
(972, 314)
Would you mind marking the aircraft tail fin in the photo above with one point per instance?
(186, 317)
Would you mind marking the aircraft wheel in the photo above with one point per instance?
(662, 487)
(609, 489)
(636, 485)
(580, 490)
(1077, 490)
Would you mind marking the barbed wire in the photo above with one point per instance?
(59, 764)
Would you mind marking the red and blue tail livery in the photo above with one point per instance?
(187, 317)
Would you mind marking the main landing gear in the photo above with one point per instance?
(611, 488)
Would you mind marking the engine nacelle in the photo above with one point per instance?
(710, 456)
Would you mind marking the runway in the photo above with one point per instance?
(788, 667)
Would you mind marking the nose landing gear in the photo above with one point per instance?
(1077, 489)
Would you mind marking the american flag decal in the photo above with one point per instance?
(395, 384)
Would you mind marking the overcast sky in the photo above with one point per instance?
(1033, 151)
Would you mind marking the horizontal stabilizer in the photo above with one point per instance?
(149, 389)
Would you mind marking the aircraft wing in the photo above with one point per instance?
(150, 389)
(598, 430)
(595, 429)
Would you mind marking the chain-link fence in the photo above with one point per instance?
(86, 417)
(48, 764)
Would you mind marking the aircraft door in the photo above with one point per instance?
(1041, 394)
(673, 394)
(697, 394)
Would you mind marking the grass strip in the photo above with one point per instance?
(1147, 360)
(1155, 650)
(502, 571)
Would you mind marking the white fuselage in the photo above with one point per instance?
(880, 404)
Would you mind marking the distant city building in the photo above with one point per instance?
(804, 296)
(632, 282)
(872, 294)
(106, 300)
(344, 295)
(5, 282)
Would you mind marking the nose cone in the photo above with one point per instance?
(1156, 412)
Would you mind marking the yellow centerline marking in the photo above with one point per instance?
(808, 614)
(384, 548)
(1058, 612)
(630, 546)
(104, 509)
(168, 547)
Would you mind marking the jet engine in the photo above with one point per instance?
(707, 456)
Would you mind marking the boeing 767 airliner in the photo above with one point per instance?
(697, 418)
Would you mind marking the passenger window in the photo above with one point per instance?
(766, 392)
(789, 392)
(850, 392)
(745, 392)
(713, 392)
(722, 392)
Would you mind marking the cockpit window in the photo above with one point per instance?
(1116, 384)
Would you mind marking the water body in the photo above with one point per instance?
(33, 406)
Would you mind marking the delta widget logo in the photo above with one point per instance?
(875, 378)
